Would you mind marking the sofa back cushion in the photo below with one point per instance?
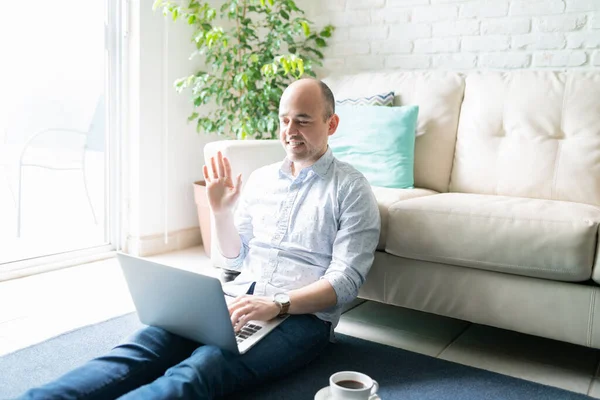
(438, 95)
(530, 134)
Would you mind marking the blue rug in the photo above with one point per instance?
(401, 374)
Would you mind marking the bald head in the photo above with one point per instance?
(312, 89)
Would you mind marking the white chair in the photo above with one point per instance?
(58, 149)
(70, 156)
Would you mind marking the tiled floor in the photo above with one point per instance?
(45, 305)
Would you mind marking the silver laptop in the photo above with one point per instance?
(188, 304)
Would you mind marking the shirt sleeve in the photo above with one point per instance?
(243, 223)
(355, 242)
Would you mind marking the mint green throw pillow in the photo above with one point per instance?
(379, 142)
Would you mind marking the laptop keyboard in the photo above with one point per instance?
(247, 331)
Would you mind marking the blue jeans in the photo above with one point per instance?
(156, 364)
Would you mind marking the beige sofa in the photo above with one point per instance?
(502, 227)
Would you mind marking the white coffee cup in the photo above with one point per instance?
(351, 385)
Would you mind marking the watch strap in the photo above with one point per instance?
(284, 308)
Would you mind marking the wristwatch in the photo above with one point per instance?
(283, 301)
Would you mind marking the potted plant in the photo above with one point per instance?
(252, 49)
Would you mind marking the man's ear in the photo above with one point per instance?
(334, 121)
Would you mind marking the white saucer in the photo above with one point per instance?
(325, 394)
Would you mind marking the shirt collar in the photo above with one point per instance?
(320, 167)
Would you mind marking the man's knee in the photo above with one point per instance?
(203, 361)
(201, 373)
(154, 342)
(148, 336)
(208, 357)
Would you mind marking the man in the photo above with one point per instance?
(304, 238)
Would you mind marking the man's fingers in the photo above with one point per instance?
(241, 307)
(205, 172)
(227, 165)
(221, 165)
(237, 303)
(214, 168)
(238, 315)
(242, 321)
(238, 185)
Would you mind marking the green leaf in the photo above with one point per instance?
(262, 3)
(286, 66)
(325, 33)
(305, 28)
(300, 65)
(320, 42)
(293, 5)
(193, 116)
(284, 14)
(315, 51)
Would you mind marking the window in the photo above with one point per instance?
(59, 86)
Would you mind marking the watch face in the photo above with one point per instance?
(282, 298)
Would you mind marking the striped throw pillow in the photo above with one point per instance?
(386, 99)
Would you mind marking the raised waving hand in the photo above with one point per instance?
(221, 190)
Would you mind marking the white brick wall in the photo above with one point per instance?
(436, 45)
(560, 59)
(536, 7)
(484, 9)
(539, 41)
(596, 21)
(505, 26)
(459, 34)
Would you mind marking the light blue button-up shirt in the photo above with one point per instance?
(322, 224)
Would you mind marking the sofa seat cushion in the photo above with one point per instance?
(388, 196)
(539, 238)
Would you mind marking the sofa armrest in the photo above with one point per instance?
(245, 156)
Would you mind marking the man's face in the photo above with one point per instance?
(303, 129)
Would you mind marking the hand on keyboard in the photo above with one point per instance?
(248, 307)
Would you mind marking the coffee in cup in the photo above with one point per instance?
(351, 385)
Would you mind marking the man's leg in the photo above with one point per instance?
(138, 360)
(210, 372)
